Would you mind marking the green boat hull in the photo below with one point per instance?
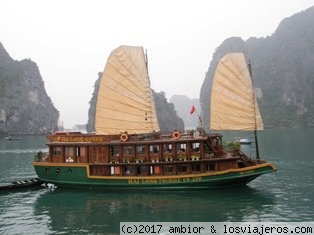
(63, 175)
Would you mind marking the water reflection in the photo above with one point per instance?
(101, 212)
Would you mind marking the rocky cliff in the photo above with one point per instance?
(25, 107)
(183, 105)
(167, 116)
(282, 68)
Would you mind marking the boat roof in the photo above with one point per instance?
(92, 139)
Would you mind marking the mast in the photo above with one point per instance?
(151, 92)
(255, 130)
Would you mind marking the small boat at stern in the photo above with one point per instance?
(26, 183)
(245, 141)
(129, 152)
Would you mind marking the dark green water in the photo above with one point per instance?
(284, 196)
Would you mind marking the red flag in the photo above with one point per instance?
(192, 110)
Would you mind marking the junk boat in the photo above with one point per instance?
(129, 152)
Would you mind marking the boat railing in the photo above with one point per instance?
(40, 156)
(157, 161)
(247, 161)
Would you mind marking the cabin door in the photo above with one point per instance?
(99, 154)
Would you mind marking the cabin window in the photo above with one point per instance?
(128, 170)
(56, 151)
(154, 170)
(168, 169)
(127, 150)
(69, 151)
(115, 170)
(210, 166)
(196, 167)
(195, 147)
(93, 154)
(181, 152)
(140, 150)
(182, 168)
(181, 148)
(80, 151)
(141, 170)
(167, 148)
(83, 151)
(114, 151)
(154, 149)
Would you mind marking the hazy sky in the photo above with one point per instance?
(70, 40)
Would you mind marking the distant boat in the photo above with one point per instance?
(245, 141)
(129, 152)
(12, 138)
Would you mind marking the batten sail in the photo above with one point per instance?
(233, 103)
(125, 101)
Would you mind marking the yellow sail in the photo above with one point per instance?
(233, 103)
(125, 101)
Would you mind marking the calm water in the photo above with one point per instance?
(284, 196)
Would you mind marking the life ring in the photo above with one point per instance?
(124, 137)
(176, 135)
